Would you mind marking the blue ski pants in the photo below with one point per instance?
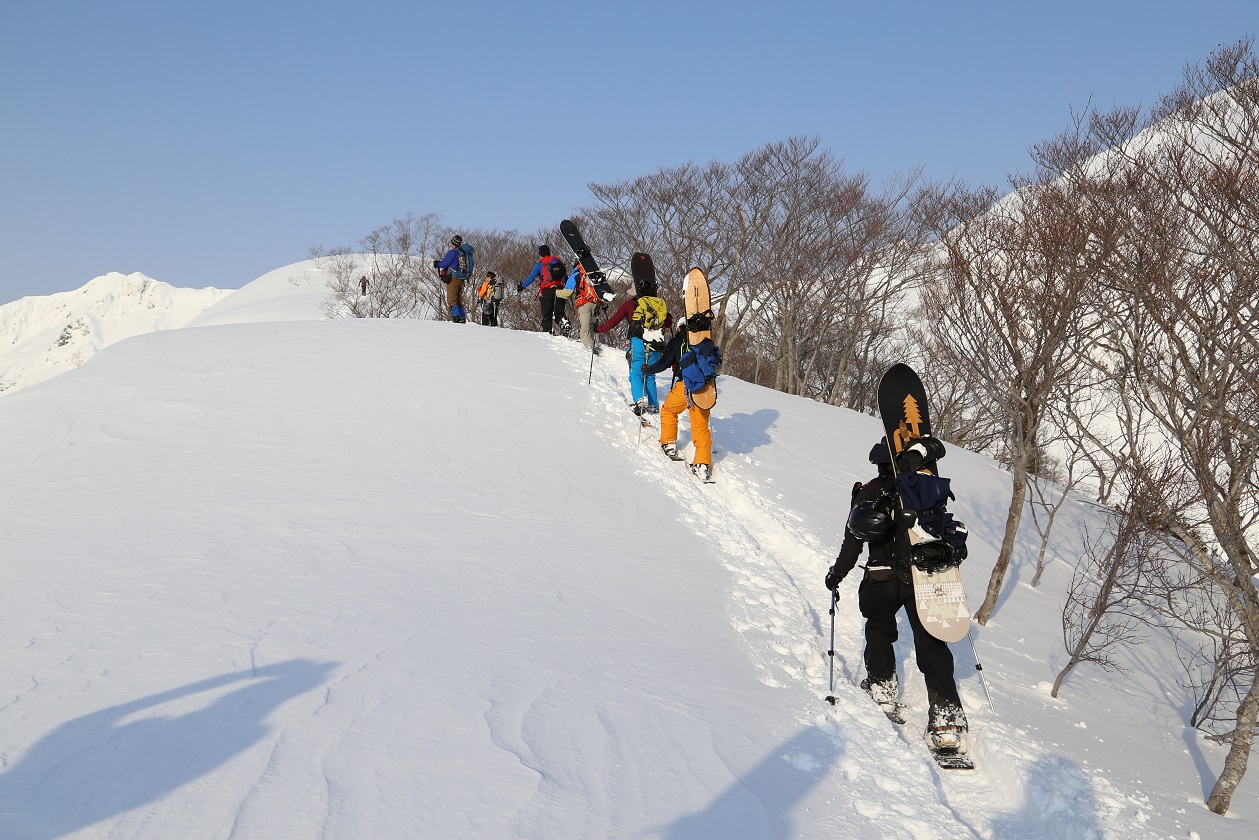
(640, 356)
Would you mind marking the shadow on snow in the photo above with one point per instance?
(758, 804)
(101, 765)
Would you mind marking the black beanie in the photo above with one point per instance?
(544, 251)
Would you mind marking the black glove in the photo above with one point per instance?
(437, 263)
(833, 579)
(917, 452)
(520, 287)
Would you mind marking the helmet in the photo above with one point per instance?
(456, 240)
(880, 454)
(869, 522)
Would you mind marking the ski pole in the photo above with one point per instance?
(640, 417)
(831, 698)
(594, 339)
(980, 668)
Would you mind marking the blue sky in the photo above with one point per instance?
(208, 143)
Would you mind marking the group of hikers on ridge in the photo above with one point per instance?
(886, 587)
(646, 317)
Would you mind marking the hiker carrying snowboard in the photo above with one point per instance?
(886, 588)
(677, 400)
(550, 273)
(585, 299)
(648, 317)
(454, 269)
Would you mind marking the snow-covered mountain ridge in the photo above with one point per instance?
(42, 336)
(277, 577)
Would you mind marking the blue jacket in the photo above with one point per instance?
(450, 262)
(537, 274)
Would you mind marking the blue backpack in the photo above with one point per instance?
(699, 364)
(466, 266)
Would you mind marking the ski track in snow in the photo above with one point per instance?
(776, 560)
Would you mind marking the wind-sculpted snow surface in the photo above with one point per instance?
(399, 579)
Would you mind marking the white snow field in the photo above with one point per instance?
(285, 578)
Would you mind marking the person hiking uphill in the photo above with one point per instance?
(677, 400)
(648, 317)
(454, 269)
(490, 293)
(886, 588)
(585, 301)
(550, 273)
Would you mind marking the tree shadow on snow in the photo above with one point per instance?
(742, 433)
(1058, 802)
(102, 765)
(758, 805)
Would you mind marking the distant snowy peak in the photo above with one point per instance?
(43, 336)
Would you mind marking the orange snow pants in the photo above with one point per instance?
(700, 435)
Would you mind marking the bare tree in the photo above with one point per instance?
(806, 261)
(1106, 607)
(1010, 298)
(1184, 343)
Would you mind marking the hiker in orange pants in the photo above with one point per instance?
(673, 405)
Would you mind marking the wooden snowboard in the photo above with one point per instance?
(941, 603)
(696, 296)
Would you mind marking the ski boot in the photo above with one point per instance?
(671, 449)
(704, 472)
(884, 693)
(946, 730)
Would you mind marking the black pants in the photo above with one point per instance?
(552, 308)
(489, 313)
(879, 602)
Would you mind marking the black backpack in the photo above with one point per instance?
(556, 271)
(935, 539)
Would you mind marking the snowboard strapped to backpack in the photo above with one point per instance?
(935, 538)
(700, 364)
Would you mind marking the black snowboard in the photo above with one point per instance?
(587, 261)
(642, 268)
(903, 407)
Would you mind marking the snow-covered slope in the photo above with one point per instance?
(291, 293)
(41, 337)
(398, 579)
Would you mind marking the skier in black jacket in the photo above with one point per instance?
(886, 587)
